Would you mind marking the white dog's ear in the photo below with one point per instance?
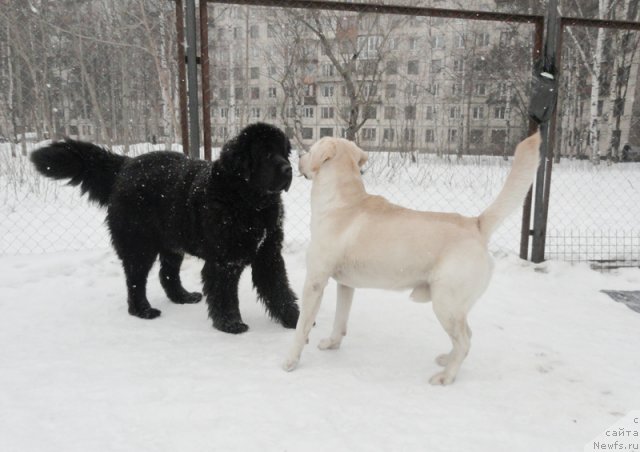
(323, 151)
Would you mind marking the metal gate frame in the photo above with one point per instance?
(548, 38)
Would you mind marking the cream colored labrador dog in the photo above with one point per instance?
(361, 240)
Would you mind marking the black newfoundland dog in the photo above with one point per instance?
(227, 212)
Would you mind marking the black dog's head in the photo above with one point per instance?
(259, 155)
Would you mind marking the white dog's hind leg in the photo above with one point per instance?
(443, 360)
(453, 317)
(343, 306)
(311, 298)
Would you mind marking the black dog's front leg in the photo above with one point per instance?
(220, 283)
(270, 280)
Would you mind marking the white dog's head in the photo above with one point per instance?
(331, 149)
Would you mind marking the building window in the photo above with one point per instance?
(458, 64)
(291, 112)
(410, 112)
(434, 89)
(255, 93)
(454, 112)
(273, 112)
(452, 135)
(429, 136)
(482, 39)
(436, 66)
(476, 136)
(224, 112)
(477, 112)
(254, 73)
(460, 41)
(239, 93)
(430, 112)
(326, 112)
(390, 91)
(389, 112)
(409, 135)
(310, 90)
(412, 89)
(273, 92)
(499, 112)
(328, 70)
(255, 112)
(370, 112)
(437, 42)
(369, 90)
(498, 136)
(368, 46)
(307, 133)
(505, 37)
(456, 89)
(271, 31)
(480, 89)
(392, 67)
(412, 67)
(326, 132)
(308, 112)
(388, 134)
(413, 43)
(254, 32)
(327, 91)
(223, 94)
(369, 134)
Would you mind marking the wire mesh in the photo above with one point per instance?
(439, 103)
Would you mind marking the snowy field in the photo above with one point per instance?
(553, 361)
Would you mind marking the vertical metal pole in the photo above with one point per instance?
(548, 132)
(204, 79)
(551, 144)
(525, 230)
(192, 77)
(182, 77)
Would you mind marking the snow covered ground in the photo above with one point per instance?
(553, 361)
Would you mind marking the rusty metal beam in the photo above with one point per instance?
(388, 9)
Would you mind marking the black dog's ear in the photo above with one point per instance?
(236, 160)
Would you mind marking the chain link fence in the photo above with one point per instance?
(439, 103)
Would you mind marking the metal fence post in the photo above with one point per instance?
(182, 77)
(192, 77)
(525, 230)
(547, 130)
(204, 79)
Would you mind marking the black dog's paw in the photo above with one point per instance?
(187, 298)
(231, 326)
(290, 317)
(145, 313)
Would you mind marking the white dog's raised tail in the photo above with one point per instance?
(525, 165)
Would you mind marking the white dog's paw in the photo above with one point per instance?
(290, 364)
(442, 360)
(442, 378)
(329, 344)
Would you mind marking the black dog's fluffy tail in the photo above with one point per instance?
(85, 164)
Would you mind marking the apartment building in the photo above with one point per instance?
(418, 83)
